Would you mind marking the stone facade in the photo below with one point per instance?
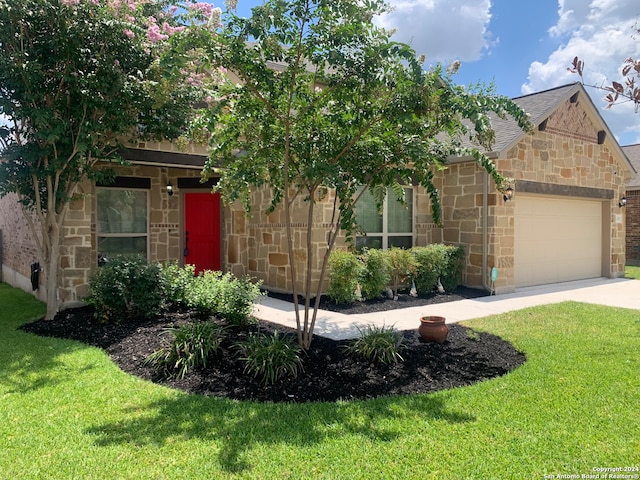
(257, 244)
(566, 155)
(564, 159)
(79, 251)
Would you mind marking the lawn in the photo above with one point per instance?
(632, 272)
(66, 411)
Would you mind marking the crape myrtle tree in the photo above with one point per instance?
(327, 101)
(76, 78)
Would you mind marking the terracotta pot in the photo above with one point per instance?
(433, 329)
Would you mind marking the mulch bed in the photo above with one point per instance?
(466, 357)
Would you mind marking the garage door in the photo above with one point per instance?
(556, 240)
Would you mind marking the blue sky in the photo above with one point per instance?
(523, 46)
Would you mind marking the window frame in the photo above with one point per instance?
(146, 234)
(385, 234)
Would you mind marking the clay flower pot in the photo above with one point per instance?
(433, 329)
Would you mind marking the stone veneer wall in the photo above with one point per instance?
(633, 227)
(78, 252)
(257, 245)
(566, 153)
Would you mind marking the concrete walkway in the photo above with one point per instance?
(611, 292)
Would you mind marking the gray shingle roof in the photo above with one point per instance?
(633, 154)
(538, 105)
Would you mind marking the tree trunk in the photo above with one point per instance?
(52, 271)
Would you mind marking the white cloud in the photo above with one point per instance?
(600, 33)
(433, 27)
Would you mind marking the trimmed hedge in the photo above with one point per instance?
(438, 261)
(345, 271)
(373, 270)
(127, 288)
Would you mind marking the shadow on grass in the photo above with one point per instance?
(238, 426)
(27, 362)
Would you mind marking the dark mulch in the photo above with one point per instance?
(466, 357)
(382, 304)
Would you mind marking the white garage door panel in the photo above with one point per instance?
(556, 240)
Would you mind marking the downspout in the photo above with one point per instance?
(485, 235)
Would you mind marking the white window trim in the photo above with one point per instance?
(146, 234)
(384, 235)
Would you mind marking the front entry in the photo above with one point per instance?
(202, 230)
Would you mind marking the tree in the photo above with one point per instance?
(77, 77)
(342, 107)
(628, 89)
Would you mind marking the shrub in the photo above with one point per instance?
(271, 357)
(238, 298)
(378, 344)
(451, 275)
(127, 288)
(431, 262)
(375, 275)
(345, 270)
(438, 261)
(224, 295)
(402, 265)
(178, 283)
(191, 346)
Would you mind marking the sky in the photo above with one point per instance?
(524, 46)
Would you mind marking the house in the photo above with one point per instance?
(563, 222)
(632, 196)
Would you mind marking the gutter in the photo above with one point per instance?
(485, 221)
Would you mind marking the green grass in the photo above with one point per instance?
(66, 411)
(632, 272)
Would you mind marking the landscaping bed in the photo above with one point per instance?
(330, 374)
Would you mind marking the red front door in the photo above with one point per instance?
(202, 230)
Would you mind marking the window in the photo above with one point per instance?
(122, 222)
(391, 228)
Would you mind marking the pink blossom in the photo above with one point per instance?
(71, 3)
(129, 33)
(154, 35)
(169, 30)
(205, 8)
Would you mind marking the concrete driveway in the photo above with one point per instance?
(619, 292)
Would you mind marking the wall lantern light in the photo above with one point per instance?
(623, 202)
(508, 194)
(169, 189)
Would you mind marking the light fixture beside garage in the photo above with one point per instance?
(623, 202)
(508, 194)
(169, 189)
